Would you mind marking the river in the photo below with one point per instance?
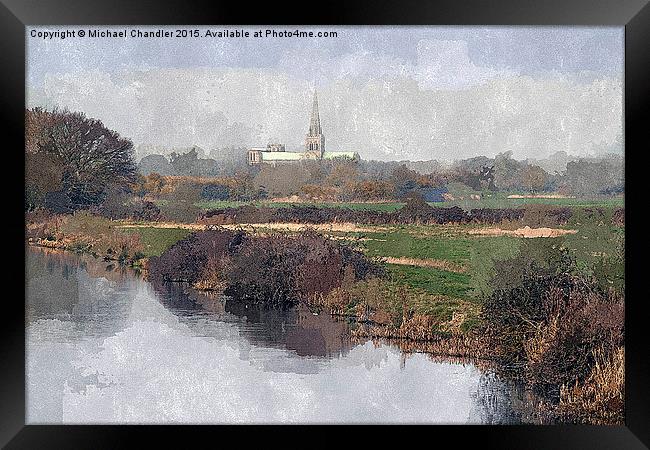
(104, 346)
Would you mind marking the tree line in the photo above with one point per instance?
(75, 162)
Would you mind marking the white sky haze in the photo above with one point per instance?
(386, 92)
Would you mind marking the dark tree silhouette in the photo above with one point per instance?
(91, 155)
(487, 175)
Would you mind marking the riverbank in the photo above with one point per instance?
(85, 233)
(153, 343)
(431, 295)
(588, 402)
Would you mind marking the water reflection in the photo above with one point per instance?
(103, 346)
(296, 329)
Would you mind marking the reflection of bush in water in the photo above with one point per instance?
(294, 328)
(273, 322)
(493, 401)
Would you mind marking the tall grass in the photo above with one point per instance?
(89, 233)
(560, 330)
(600, 398)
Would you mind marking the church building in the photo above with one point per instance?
(314, 146)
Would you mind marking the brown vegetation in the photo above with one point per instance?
(269, 269)
(561, 332)
(600, 399)
(83, 232)
(618, 218)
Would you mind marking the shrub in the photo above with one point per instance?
(187, 258)
(149, 212)
(546, 215)
(180, 205)
(120, 204)
(42, 224)
(600, 399)
(618, 218)
(493, 216)
(372, 190)
(121, 246)
(86, 223)
(280, 270)
(87, 232)
(116, 204)
(211, 276)
(547, 325)
(416, 210)
(318, 192)
(215, 192)
(275, 270)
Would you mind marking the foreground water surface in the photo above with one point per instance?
(104, 346)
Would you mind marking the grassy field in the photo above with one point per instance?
(597, 245)
(157, 240)
(500, 200)
(490, 200)
(217, 204)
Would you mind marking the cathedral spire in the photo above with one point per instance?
(314, 123)
(315, 141)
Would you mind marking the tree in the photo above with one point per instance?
(43, 174)
(186, 163)
(155, 164)
(189, 164)
(534, 178)
(91, 156)
(373, 190)
(507, 172)
(154, 183)
(486, 175)
(281, 180)
(405, 180)
(585, 177)
(343, 173)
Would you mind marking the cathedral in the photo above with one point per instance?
(314, 146)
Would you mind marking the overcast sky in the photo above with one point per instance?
(386, 92)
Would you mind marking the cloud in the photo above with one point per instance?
(407, 113)
(447, 65)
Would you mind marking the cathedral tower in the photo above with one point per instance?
(315, 141)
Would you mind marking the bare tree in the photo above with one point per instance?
(92, 155)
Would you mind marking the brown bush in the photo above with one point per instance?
(318, 192)
(600, 399)
(84, 231)
(548, 326)
(42, 224)
(618, 218)
(211, 277)
(187, 259)
(545, 215)
(281, 270)
(275, 270)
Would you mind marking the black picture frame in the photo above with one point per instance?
(634, 15)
